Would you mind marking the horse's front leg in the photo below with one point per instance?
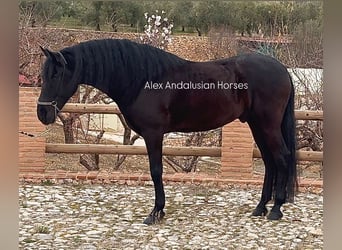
(154, 142)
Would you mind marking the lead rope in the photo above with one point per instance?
(32, 135)
(53, 104)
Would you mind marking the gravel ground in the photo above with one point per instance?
(80, 216)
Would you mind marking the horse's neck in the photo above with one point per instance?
(100, 86)
(106, 85)
(89, 77)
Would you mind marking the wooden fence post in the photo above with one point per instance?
(237, 151)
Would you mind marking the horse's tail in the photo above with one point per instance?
(288, 127)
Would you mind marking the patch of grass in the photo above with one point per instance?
(47, 182)
(77, 239)
(78, 186)
(109, 233)
(41, 229)
(23, 203)
(29, 240)
(75, 206)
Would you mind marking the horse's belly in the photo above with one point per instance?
(205, 116)
(183, 111)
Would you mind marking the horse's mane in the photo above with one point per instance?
(121, 67)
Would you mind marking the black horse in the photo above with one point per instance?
(158, 92)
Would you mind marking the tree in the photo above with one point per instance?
(93, 15)
(306, 49)
(112, 14)
(39, 13)
(202, 16)
(242, 17)
(209, 14)
(179, 14)
(133, 14)
(158, 30)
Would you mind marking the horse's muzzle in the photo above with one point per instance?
(46, 114)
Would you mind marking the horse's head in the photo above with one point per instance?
(57, 86)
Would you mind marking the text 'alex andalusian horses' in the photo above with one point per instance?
(158, 92)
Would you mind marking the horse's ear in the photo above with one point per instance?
(46, 52)
(60, 58)
(57, 56)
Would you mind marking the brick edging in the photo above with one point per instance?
(140, 178)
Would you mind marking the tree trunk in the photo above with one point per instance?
(90, 161)
(199, 32)
(97, 27)
(68, 131)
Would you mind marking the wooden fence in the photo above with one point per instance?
(176, 151)
(112, 109)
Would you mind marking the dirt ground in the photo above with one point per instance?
(139, 163)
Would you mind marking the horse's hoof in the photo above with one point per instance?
(154, 218)
(260, 211)
(149, 220)
(275, 215)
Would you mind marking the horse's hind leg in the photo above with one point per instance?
(274, 152)
(276, 144)
(266, 195)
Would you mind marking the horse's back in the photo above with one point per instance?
(256, 65)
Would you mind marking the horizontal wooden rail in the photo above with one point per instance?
(91, 108)
(113, 109)
(301, 155)
(309, 115)
(129, 150)
(176, 151)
